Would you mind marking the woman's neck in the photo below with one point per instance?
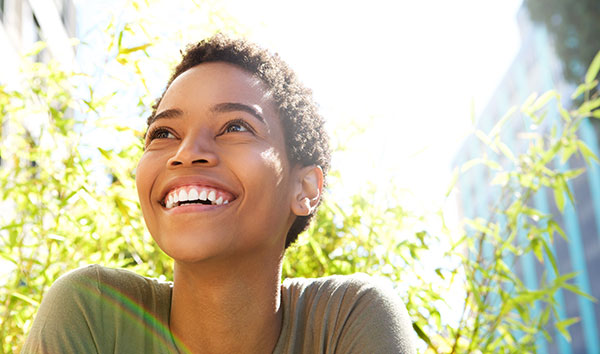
(227, 306)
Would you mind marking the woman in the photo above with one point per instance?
(233, 170)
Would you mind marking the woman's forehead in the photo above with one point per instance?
(219, 80)
(208, 86)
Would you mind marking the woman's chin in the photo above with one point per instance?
(193, 248)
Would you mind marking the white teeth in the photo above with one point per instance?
(174, 198)
(202, 195)
(183, 196)
(212, 196)
(193, 195)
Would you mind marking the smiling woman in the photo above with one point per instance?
(233, 169)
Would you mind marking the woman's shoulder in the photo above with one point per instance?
(352, 285)
(348, 313)
(114, 276)
(99, 309)
(97, 276)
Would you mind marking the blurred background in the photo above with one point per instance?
(412, 92)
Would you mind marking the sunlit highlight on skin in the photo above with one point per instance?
(273, 159)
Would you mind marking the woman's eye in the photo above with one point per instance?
(237, 126)
(161, 133)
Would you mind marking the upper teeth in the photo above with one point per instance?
(192, 193)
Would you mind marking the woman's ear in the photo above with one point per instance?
(307, 190)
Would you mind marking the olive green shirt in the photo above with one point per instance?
(101, 310)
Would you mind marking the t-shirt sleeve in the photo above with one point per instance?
(67, 315)
(102, 310)
(375, 319)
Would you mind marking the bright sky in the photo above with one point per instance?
(406, 70)
(415, 67)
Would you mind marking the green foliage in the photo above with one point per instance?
(458, 284)
(55, 214)
(574, 27)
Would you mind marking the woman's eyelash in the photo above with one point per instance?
(158, 133)
(235, 122)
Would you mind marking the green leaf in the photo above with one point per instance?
(501, 178)
(537, 247)
(588, 106)
(562, 327)
(565, 186)
(575, 289)
(550, 256)
(422, 334)
(453, 181)
(559, 197)
(469, 164)
(134, 49)
(592, 71)
(570, 174)
(544, 317)
(506, 151)
(584, 88)
(544, 99)
(586, 152)
(553, 226)
(484, 138)
(498, 126)
(526, 105)
(26, 298)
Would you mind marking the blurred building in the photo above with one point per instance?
(537, 69)
(25, 22)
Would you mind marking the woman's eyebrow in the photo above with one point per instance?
(218, 108)
(254, 110)
(169, 113)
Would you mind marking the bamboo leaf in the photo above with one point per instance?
(528, 102)
(544, 99)
(553, 226)
(575, 289)
(585, 87)
(592, 71)
(498, 126)
(484, 138)
(559, 197)
(452, 181)
(422, 334)
(506, 151)
(550, 256)
(587, 154)
(469, 164)
(537, 247)
(26, 298)
(562, 327)
(134, 49)
(566, 188)
(588, 106)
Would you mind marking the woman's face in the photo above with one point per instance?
(216, 140)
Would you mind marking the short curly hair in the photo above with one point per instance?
(307, 142)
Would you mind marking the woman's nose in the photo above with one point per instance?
(196, 150)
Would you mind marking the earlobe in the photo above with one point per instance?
(309, 187)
